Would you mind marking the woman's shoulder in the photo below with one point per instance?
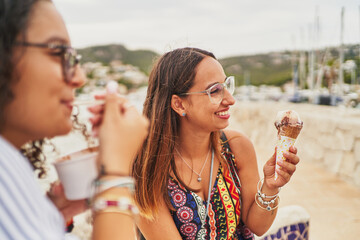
(240, 145)
(237, 139)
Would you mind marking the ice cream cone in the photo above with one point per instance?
(289, 125)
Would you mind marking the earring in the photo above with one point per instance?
(183, 114)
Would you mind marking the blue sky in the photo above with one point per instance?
(227, 27)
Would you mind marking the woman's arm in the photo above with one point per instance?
(112, 225)
(257, 219)
(162, 227)
(121, 132)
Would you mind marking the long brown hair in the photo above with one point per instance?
(173, 73)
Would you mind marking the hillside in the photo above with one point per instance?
(271, 68)
(107, 53)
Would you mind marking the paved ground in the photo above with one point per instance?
(333, 204)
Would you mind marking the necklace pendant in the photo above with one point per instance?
(199, 179)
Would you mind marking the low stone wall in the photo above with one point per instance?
(330, 136)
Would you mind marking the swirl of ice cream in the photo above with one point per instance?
(288, 123)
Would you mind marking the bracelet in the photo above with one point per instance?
(103, 185)
(268, 207)
(121, 205)
(263, 195)
(100, 186)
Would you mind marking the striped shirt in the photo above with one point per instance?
(25, 213)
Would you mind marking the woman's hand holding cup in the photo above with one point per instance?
(121, 130)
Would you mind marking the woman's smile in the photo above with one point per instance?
(223, 114)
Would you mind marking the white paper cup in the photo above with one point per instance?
(77, 172)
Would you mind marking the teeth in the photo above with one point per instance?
(222, 113)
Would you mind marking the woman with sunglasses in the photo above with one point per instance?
(39, 72)
(195, 180)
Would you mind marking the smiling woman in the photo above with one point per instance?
(196, 179)
(39, 71)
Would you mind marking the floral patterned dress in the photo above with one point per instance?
(223, 220)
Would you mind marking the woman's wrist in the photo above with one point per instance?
(115, 200)
(123, 192)
(268, 189)
(116, 160)
(267, 198)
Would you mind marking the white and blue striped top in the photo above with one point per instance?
(25, 213)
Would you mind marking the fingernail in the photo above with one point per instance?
(112, 87)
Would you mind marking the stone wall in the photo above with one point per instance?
(330, 136)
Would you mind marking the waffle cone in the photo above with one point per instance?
(290, 131)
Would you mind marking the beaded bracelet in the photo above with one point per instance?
(103, 185)
(120, 205)
(268, 207)
(263, 195)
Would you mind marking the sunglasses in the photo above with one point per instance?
(69, 57)
(216, 91)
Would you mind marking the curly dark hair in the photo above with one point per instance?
(81, 127)
(34, 150)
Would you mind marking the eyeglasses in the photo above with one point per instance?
(69, 57)
(216, 91)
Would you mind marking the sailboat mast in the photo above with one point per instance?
(320, 66)
(311, 61)
(341, 54)
(302, 60)
(314, 35)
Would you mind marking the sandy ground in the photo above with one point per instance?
(333, 204)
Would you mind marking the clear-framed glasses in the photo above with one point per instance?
(216, 91)
(69, 57)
